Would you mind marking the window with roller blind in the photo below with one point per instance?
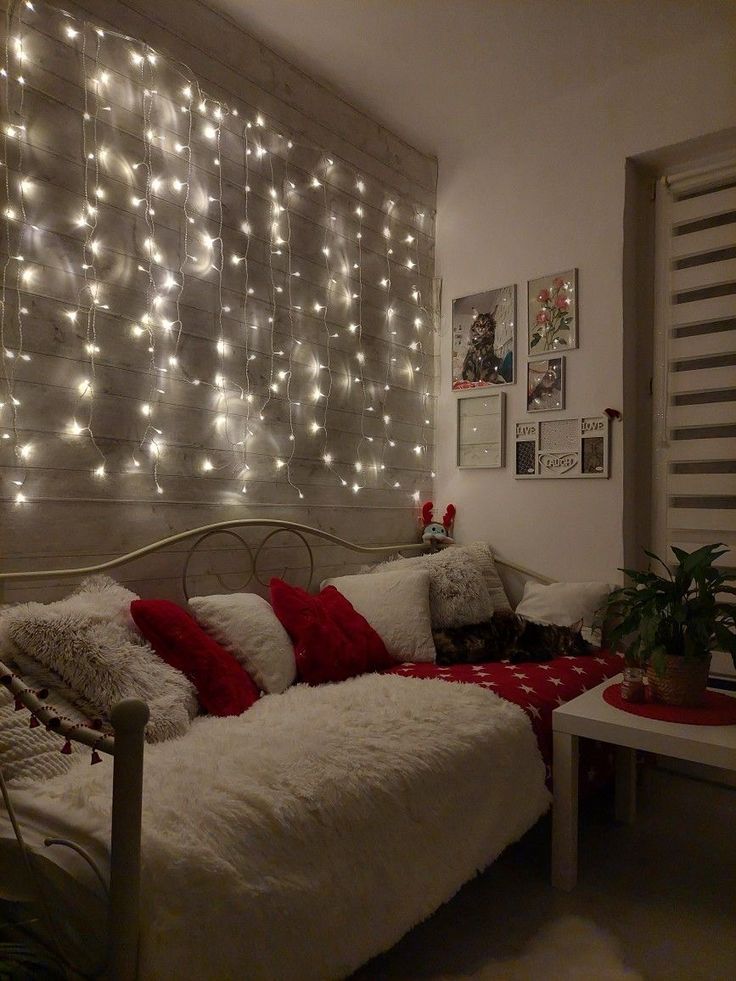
(694, 385)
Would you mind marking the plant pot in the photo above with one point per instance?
(683, 681)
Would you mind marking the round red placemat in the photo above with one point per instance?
(718, 710)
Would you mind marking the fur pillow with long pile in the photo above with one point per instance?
(464, 585)
(245, 625)
(397, 607)
(332, 642)
(223, 686)
(88, 640)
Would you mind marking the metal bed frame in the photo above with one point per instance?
(129, 718)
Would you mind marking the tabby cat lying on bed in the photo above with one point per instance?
(507, 636)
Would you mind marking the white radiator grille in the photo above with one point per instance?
(695, 365)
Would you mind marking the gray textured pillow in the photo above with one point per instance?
(87, 640)
(459, 581)
(481, 554)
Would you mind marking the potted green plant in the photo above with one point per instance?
(669, 624)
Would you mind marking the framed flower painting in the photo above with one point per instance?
(553, 312)
(484, 339)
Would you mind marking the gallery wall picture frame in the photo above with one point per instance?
(484, 339)
(552, 302)
(481, 430)
(545, 385)
(562, 448)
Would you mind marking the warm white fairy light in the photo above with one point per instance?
(287, 375)
(15, 276)
(160, 329)
(247, 290)
(418, 344)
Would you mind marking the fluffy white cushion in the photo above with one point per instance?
(464, 585)
(565, 603)
(245, 625)
(458, 595)
(397, 607)
(87, 640)
(481, 554)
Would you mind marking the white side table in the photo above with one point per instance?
(590, 716)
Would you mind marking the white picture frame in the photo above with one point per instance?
(552, 305)
(481, 430)
(546, 449)
(545, 384)
(484, 339)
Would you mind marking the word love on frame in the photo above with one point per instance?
(553, 312)
(561, 448)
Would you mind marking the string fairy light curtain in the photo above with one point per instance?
(187, 290)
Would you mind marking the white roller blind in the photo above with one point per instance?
(694, 487)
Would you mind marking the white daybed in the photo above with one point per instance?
(295, 841)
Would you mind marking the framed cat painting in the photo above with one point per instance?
(484, 339)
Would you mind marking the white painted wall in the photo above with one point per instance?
(540, 188)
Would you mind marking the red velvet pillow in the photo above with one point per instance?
(332, 641)
(223, 686)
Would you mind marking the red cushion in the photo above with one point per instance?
(332, 641)
(223, 686)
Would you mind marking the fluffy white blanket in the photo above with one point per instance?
(309, 834)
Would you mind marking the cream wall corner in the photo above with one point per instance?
(540, 190)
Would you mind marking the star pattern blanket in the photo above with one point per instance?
(536, 688)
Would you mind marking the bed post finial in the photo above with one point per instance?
(129, 718)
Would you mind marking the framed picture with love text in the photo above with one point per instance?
(561, 448)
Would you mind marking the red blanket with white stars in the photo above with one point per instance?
(537, 688)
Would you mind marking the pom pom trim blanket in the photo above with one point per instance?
(306, 836)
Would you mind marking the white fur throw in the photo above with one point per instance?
(245, 625)
(87, 640)
(397, 607)
(464, 585)
(305, 836)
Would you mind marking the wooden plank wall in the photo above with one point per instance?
(163, 305)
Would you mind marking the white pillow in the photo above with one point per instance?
(396, 605)
(565, 603)
(448, 611)
(245, 625)
(458, 595)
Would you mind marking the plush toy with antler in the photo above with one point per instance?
(434, 533)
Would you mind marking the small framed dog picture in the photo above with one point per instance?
(484, 339)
